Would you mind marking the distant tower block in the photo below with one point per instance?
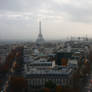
(40, 38)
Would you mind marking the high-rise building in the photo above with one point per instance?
(40, 38)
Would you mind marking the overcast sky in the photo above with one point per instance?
(19, 19)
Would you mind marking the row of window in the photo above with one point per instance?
(41, 64)
(50, 75)
(41, 82)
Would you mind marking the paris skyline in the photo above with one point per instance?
(19, 19)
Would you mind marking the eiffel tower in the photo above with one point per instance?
(40, 38)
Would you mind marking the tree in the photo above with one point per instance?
(76, 79)
(64, 61)
(18, 84)
(45, 90)
(58, 88)
(50, 84)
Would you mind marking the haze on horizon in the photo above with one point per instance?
(19, 19)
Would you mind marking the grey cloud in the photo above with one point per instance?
(20, 17)
(80, 10)
(10, 5)
(22, 5)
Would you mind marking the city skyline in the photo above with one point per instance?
(19, 20)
